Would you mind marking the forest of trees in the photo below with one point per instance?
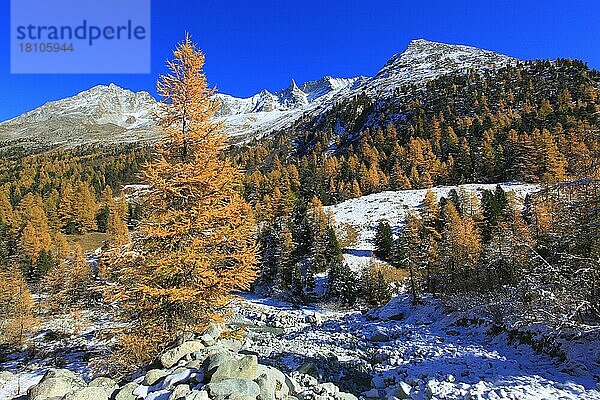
(533, 122)
(539, 261)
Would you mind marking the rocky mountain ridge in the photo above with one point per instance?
(110, 114)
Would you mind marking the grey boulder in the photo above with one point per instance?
(172, 356)
(108, 384)
(272, 383)
(197, 395)
(126, 392)
(153, 376)
(88, 393)
(239, 389)
(56, 383)
(223, 366)
(179, 392)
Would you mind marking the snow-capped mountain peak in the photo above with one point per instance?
(424, 60)
(99, 114)
(320, 87)
(104, 108)
(99, 105)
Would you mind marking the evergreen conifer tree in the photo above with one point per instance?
(194, 246)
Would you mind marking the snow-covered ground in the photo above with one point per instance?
(397, 351)
(364, 213)
(430, 354)
(420, 350)
(70, 342)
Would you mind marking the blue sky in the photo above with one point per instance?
(251, 45)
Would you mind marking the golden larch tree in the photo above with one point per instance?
(69, 285)
(17, 318)
(118, 233)
(195, 245)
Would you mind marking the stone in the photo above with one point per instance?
(126, 392)
(403, 390)
(158, 395)
(371, 394)
(378, 382)
(172, 356)
(223, 366)
(108, 384)
(345, 396)
(313, 319)
(267, 388)
(56, 383)
(179, 392)
(233, 388)
(153, 376)
(293, 385)
(6, 376)
(379, 337)
(207, 339)
(195, 363)
(272, 383)
(326, 388)
(214, 331)
(309, 368)
(229, 344)
(89, 393)
(197, 395)
(430, 388)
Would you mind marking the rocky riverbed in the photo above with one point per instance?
(398, 351)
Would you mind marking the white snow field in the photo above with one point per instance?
(364, 213)
(416, 352)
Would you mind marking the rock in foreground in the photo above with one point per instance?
(193, 370)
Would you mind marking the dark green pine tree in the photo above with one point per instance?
(343, 285)
(44, 263)
(333, 251)
(102, 218)
(384, 241)
(494, 206)
(376, 290)
(296, 284)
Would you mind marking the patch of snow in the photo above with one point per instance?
(364, 213)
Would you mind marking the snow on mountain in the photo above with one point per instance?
(422, 61)
(100, 104)
(265, 112)
(364, 213)
(97, 114)
(112, 114)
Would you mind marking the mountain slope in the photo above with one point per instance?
(114, 115)
(421, 62)
(100, 114)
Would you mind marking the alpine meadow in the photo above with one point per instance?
(431, 231)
